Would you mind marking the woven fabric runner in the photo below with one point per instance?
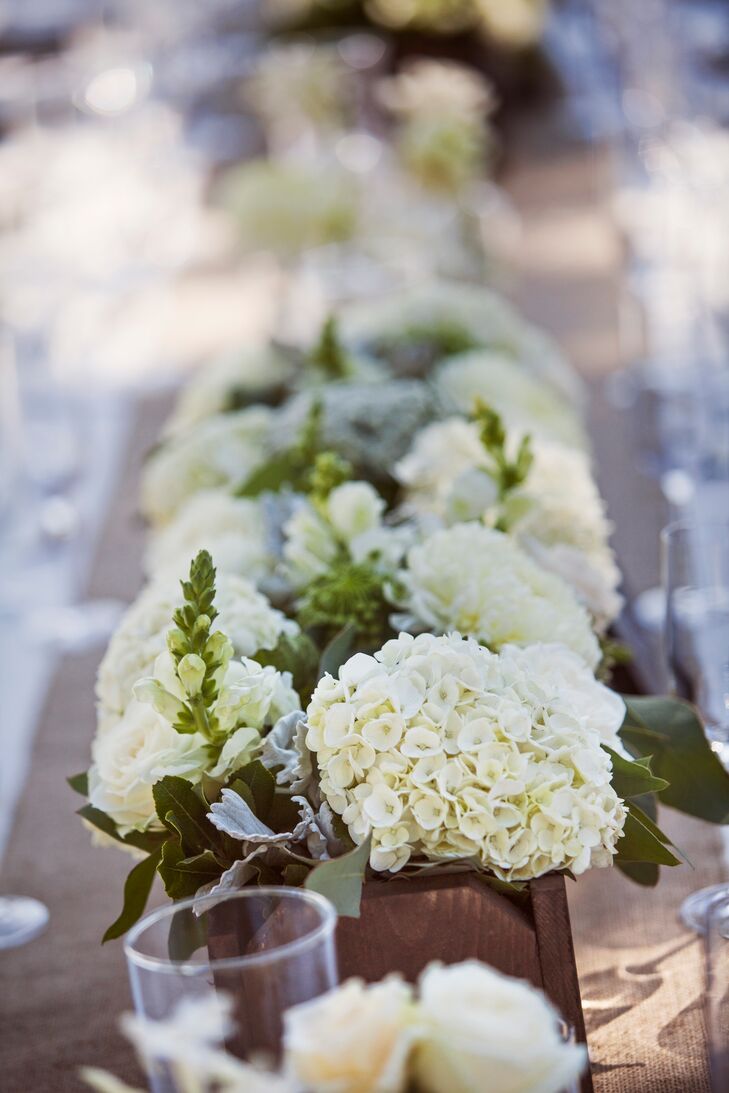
(641, 974)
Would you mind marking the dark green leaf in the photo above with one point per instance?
(136, 893)
(670, 731)
(262, 785)
(283, 815)
(631, 779)
(80, 783)
(188, 933)
(295, 874)
(181, 810)
(141, 840)
(298, 655)
(279, 471)
(183, 876)
(645, 873)
(338, 650)
(640, 843)
(341, 879)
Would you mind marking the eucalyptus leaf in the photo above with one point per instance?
(670, 731)
(632, 779)
(338, 650)
(645, 873)
(640, 844)
(136, 893)
(341, 879)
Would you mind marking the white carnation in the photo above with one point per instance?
(479, 581)
(245, 616)
(481, 1030)
(220, 451)
(524, 401)
(232, 529)
(440, 749)
(135, 752)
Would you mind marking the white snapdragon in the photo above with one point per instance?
(524, 402)
(245, 616)
(479, 581)
(219, 452)
(440, 749)
(232, 529)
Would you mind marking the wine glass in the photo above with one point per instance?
(717, 990)
(266, 949)
(695, 573)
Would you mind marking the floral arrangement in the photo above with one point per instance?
(389, 653)
(464, 1029)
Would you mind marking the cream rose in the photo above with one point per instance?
(484, 1031)
(355, 1039)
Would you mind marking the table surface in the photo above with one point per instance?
(640, 972)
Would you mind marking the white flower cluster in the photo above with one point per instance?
(478, 581)
(350, 519)
(245, 617)
(465, 1028)
(220, 451)
(141, 747)
(557, 515)
(439, 749)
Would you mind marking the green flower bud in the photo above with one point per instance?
(191, 671)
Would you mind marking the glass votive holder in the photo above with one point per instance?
(264, 949)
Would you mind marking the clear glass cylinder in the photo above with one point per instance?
(267, 949)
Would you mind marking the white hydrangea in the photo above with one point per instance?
(349, 520)
(440, 749)
(479, 581)
(245, 616)
(558, 515)
(486, 318)
(220, 451)
(215, 387)
(233, 530)
(524, 401)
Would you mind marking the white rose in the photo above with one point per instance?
(131, 756)
(231, 529)
(485, 1031)
(220, 451)
(355, 1039)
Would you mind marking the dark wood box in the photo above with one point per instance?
(406, 923)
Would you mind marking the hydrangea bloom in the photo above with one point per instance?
(221, 451)
(440, 749)
(245, 616)
(233, 529)
(479, 581)
(524, 401)
(558, 515)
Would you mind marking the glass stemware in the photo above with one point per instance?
(717, 990)
(265, 948)
(695, 572)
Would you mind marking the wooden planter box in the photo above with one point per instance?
(405, 924)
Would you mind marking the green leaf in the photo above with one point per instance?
(641, 842)
(338, 650)
(141, 840)
(671, 732)
(80, 783)
(182, 876)
(188, 933)
(341, 879)
(295, 874)
(181, 810)
(632, 779)
(645, 873)
(298, 655)
(281, 470)
(262, 785)
(136, 893)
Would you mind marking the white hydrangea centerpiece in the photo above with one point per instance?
(439, 749)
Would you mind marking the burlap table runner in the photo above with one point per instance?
(641, 974)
